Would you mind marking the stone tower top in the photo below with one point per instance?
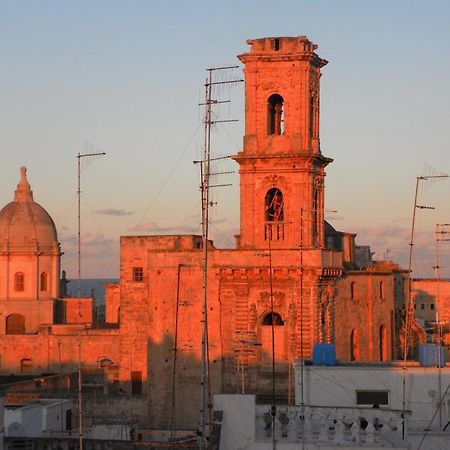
(282, 168)
(23, 192)
(283, 48)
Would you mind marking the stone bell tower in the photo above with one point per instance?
(281, 166)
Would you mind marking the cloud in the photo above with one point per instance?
(100, 255)
(113, 212)
(152, 227)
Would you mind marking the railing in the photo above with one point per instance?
(331, 259)
(337, 425)
(274, 231)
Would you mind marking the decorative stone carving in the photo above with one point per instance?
(292, 315)
(252, 317)
(279, 298)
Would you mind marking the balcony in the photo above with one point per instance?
(274, 231)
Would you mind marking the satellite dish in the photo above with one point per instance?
(15, 429)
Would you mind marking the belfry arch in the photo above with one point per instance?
(275, 115)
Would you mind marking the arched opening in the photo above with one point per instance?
(275, 114)
(44, 282)
(381, 290)
(15, 324)
(272, 319)
(354, 345)
(384, 354)
(26, 365)
(19, 282)
(104, 362)
(274, 205)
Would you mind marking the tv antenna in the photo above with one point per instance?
(205, 186)
(80, 157)
(409, 307)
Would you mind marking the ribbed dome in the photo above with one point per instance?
(24, 224)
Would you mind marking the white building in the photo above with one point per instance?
(346, 406)
(40, 418)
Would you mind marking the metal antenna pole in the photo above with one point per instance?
(302, 373)
(273, 408)
(409, 307)
(441, 231)
(205, 168)
(80, 390)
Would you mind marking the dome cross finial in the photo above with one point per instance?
(23, 192)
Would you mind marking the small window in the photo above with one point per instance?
(422, 306)
(15, 324)
(136, 383)
(354, 345)
(372, 398)
(276, 44)
(381, 289)
(273, 318)
(105, 362)
(431, 305)
(44, 282)
(275, 114)
(353, 290)
(26, 365)
(19, 282)
(138, 274)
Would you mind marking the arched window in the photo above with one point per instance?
(104, 362)
(274, 205)
(383, 343)
(353, 290)
(44, 282)
(272, 319)
(354, 345)
(275, 114)
(15, 324)
(26, 365)
(381, 289)
(19, 282)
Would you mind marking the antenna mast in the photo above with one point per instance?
(80, 392)
(442, 230)
(409, 307)
(205, 169)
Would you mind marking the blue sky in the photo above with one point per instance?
(126, 76)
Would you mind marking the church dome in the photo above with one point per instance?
(24, 224)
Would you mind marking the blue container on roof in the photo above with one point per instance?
(431, 355)
(324, 355)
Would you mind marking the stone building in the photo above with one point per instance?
(432, 307)
(286, 253)
(290, 271)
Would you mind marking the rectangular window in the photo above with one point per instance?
(138, 274)
(372, 398)
(68, 420)
(431, 305)
(422, 306)
(136, 383)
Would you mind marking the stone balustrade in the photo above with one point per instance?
(338, 425)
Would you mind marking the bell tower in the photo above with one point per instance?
(282, 169)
